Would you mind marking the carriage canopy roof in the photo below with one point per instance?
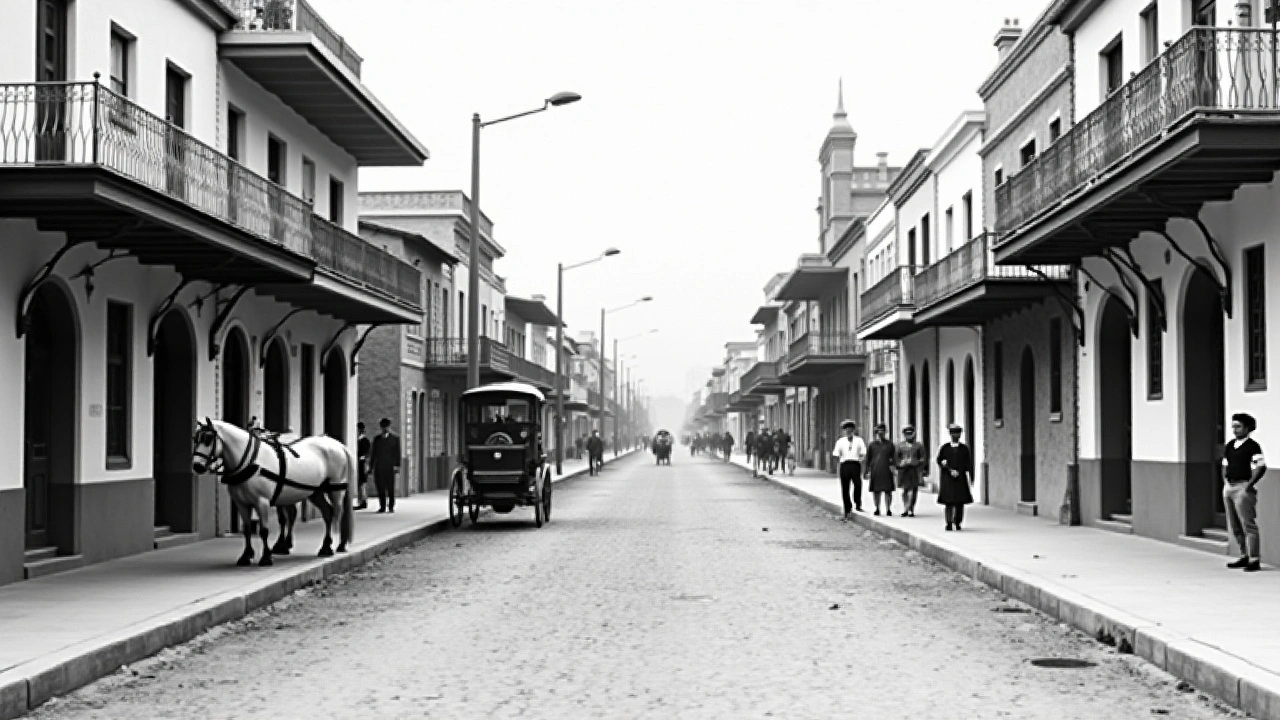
(506, 387)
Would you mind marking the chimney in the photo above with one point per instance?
(882, 162)
(1007, 37)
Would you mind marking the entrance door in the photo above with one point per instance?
(235, 397)
(1028, 422)
(276, 389)
(174, 412)
(335, 396)
(175, 109)
(1115, 390)
(925, 432)
(48, 428)
(1204, 391)
(51, 67)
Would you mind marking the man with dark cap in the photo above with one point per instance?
(849, 452)
(362, 463)
(384, 456)
(879, 470)
(956, 467)
(749, 444)
(911, 460)
(1243, 466)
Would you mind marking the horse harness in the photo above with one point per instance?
(247, 467)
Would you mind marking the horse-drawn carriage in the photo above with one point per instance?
(662, 447)
(503, 464)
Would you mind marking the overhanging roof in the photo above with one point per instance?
(534, 311)
(765, 314)
(416, 237)
(811, 283)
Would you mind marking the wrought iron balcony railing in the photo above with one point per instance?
(969, 265)
(762, 373)
(1208, 68)
(895, 290)
(294, 16)
(86, 124)
(825, 345)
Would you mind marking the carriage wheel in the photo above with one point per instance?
(457, 503)
(546, 501)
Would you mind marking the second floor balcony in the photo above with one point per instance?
(497, 362)
(966, 287)
(1192, 127)
(83, 160)
(762, 379)
(888, 305)
(816, 355)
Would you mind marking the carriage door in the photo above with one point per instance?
(51, 67)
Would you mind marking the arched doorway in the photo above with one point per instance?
(1204, 397)
(173, 402)
(911, 396)
(49, 426)
(970, 403)
(1115, 409)
(1027, 419)
(235, 378)
(335, 395)
(926, 409)
(275, 389)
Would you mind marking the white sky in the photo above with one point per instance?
(694, 149)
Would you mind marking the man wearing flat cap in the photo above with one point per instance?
(849, 453)
(955, 463)
(912, 461)
(384, 457)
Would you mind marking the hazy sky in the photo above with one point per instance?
(694, 149)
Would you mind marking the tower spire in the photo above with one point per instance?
(840, 113)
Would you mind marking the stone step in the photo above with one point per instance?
(163, 531)
(36, 554)
(175, 539)
(1204, 543)
(1115, 526)
(49, 566)
(1122, 518)
(1028, 508)
(1218, 534)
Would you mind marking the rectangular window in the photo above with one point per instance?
(484, 321)
(999, 177)
(951, 219)
(925, 250)
(968, 215)
(997, 382)
(1027, 152)
(121, 60)
(337, 200)
(1055, 367)
(308, 180)
(1155, 344)
(235, 131)
(1112, 67)
(911, 248)
(1055, 130)
(277, 159)
(119, 385)
(1150, 33)
(462, 314)
(308, 389)
(1255, 278)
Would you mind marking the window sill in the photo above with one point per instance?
(1155, 397)
(119, 463)
(1055, 417)
(1256, 386)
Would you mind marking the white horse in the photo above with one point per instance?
(260, 472)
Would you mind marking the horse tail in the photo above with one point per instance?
(347, 527)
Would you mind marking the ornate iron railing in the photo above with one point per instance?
(895, 290)
(445, 351)
(969, 265)
(825, 345)
(1213, 69)
(762, 373)
(294, 16)
(88, 125)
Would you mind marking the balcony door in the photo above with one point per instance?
(51, 67)
(175, 110)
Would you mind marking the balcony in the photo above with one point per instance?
(1196, 124)
(966, 287)
(740, 401)
(82, 160)
(813, 279)
(497, 363)
(288, 49)
(883, 361)
(888, 305)
(717, 404)
(762, 379)
(814, 356)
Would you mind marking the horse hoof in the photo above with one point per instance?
(244, 562)
(342, 548)
(326, 552)
(265, 562)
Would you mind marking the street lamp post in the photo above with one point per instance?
(560, 383)
(473, 271)
(617, 390)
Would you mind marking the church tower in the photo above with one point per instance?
(835, 209)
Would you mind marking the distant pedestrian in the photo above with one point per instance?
(384, 454)
(728, 446)
(912, 460)
(1243, 466)
(849, 452)
(578, 444)
(956, 463)
(749, 444)
(785, 452)
(362, 462)
(595, 453)
(879, 470)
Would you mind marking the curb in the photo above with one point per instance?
(1240, 684)
(27, 686)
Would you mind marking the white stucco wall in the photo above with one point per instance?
(959, 172)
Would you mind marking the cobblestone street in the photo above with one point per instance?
(683, 591)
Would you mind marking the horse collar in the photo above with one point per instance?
(245, 468)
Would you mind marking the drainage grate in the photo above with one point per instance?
(1062, 663)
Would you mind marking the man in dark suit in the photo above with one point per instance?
(384, 457)
(362, 460)
(595, 452)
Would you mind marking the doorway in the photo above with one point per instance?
(1027, 413)
(335, 395)
(275, 381)
(48, 425)
(1204, 392)
(51, 66)
(970, 401)
(926, 409)
(173, 393)
(235, 398)
(1115, 390)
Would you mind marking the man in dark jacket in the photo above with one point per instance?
(749, 444)
(595, 452)
(362, 460)
(384, 456)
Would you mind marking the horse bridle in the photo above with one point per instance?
(215, 462)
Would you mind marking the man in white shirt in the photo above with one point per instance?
(849, 453)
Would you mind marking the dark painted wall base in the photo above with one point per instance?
(13, 513)
(116, 518)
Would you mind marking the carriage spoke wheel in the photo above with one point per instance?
(457, 503)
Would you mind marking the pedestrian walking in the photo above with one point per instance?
(785, 452)
(578, 444)
(362, 463)
(879, 470)
(749, 444)
(911, 460)
(728, 446)
(595, 453)
(1243, 466)
(956, 463)
(850, 451)
(384, 454)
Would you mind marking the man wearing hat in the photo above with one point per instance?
(911, 460)
(1243, 467)
(849, 452)
(384, 457)
(362, 460)
(956, 465)
(879, 470)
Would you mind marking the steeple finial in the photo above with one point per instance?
(840, 113)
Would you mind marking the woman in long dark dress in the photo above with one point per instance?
(880, 457)
(956, 464)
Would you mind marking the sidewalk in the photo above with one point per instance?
(66, 630)
(1178, 608)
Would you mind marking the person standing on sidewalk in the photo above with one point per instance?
(911, 460)
(879, 470)
(595, 453)
(849, 453)
(384, 455)
(1243, 466)
(362, 463)
(956, 463)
